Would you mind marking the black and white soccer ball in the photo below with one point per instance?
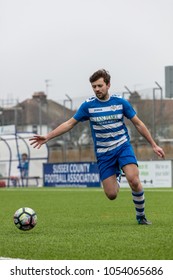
(25, 218)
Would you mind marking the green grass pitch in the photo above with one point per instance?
(82, 224)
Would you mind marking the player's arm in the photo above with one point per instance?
(143, 130)
(38, 140)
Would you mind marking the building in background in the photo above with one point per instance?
(39, 115)
(169, 81)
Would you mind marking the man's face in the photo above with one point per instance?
(24, 157)
(100, 89)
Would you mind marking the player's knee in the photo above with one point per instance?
(112, 195)
(134, 183)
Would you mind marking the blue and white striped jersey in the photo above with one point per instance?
(107, 122)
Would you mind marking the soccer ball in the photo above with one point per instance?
(25, 218)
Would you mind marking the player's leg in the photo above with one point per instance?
(132, 174)
(111, 187)
(109, 172)
(128, 163)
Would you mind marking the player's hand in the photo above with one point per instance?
(159, 151)
(37, 141)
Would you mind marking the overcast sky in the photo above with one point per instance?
(65, 41)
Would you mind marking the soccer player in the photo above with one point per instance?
(24, 167)
(111, 139)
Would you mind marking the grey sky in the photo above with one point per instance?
(66, 41)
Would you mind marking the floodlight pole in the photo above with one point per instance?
(154, 109)
(69, 100)
(47, 85)
(40, 115)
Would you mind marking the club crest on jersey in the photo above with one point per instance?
(116, 107)
(113, 107)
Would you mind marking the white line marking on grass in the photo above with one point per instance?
(4, 258)
(76, 189)
(55, 189)
(159, 190)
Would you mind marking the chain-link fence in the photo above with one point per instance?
(151, 107)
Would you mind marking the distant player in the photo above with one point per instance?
(24, 167)
(111, 139)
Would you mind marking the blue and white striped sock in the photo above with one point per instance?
(139, 202)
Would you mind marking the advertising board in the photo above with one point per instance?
(71, 174)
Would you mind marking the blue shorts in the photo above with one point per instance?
(113, 163)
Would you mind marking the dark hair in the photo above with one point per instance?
(102, 73)
(24, 154)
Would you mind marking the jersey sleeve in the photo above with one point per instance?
(82, 113)
(129, 112)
